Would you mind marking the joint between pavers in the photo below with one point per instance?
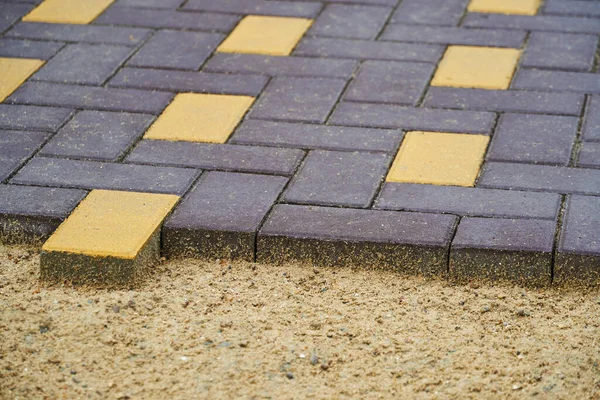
(575, 150)
(559, 222)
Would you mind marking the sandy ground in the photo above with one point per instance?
(215, 330)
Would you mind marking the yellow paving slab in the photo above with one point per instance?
(111, 224)
(14, 71)
(197, 117)
(67, 11)
(439, 158)
(522, 7)
(476, 67)
(275, 36)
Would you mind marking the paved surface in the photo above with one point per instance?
(444, 137)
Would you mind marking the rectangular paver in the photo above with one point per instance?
(79, 33)
(161, 4)
(549, 23)
(350, 21)
(589, 155)
(584, 8)
(35, 118)
(16, 147)
(28, 48)
(560, 50)
(67, 11)
(11, 13)
(258, 7)
(430, 12)
(591, 122)
(14, 72)
(557, 81)
(519, 7)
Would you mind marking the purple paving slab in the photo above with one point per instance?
(262, 160)
(257, 7)
(535, 139)
(331, 178)
(176, 49)
(34, 118)
(368, 49)
(188, 81)
(298, 99)
(591, 122)
(453, 35)
(549, 23)
(503, 249)
(560, 50)
(31, 214)
(78, 33)
(408, 118)
(323, 137)
(327, 236)
(88, 64)
(98, 135)
(90, 97)
(28, 49)
(167, 4)
(504, 100)
(363, 2)
(150, 18)
(546, 178)
(578, 253)
(41, 171)
(465, 201)
(572, 7)
(557, 81)
(219, 218)
(11, 13)
(350, 21)
(589, 155)
(281, 66)
(430, 12)
(16, 147)
(390, 82)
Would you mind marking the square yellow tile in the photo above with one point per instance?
(275, 36)
(197, 117)
(523, 7)
(476, 67)
(439, 158)
(67, 11)
(13, 72)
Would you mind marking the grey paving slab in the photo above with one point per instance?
(28, 48)
(543, 139)
(331, 178)
(408, 118)
(78, 33)
(83, 63)
(430, 12)
(560, 50)
(176, 49)
(572, 7)
(550, 23)
(327, 236)
(34, 118)
(56, 172)
(465, 201)
(11, 13)
(503, 249)
(560, 81)
(16, 147)
(390, 82)
(265, 160)
(350, 21)
(298, 99)
(90, 97)
(166, 4)
(219, 218)
(257, 7)
(589, 155)
(367, 2)
(309, 136)
(98, 135)
(591, 122)
(504, 100)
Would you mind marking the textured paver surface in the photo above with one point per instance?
(457, 138)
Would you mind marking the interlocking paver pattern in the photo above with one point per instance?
(455, 138)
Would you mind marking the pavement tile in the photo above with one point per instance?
(98, 135)
(408, 118)
(188, 81)
(504, 100)
(546, 178)
(578, 253)
(176, 49)
(78, 33)
(572, 7)
(28, 49)
(367, 2)
(439, 158)
(390, 82)
(219, 218)
(257, 7)
(165, 4)
(430, 12)
(466, 201)
(298, 99)
(34, 118)
(14, 72)
(548, 23)
(83, 63)
(503, 249)
(67, 11)
(29, 214)
(591, 124)
(454, 35)
(281, 66)
(542, 139)
(589, 155)
(323, 137)
(111, 239)
(90, 97)
(200, 118)
(327, 236)
(16, 147)
(520, 7)
(350, 21)
(560, 50)
(557, 81)
(331, 178)
(11, 13)
(368, 49)
(41, 171)
(255, 159)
